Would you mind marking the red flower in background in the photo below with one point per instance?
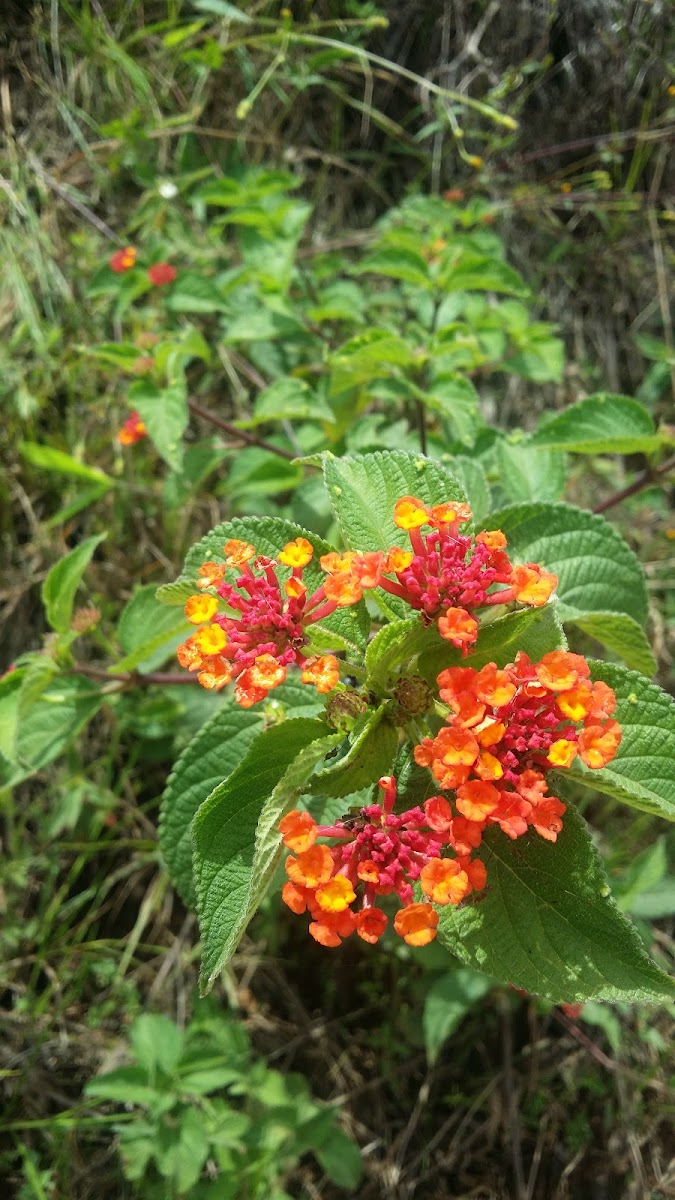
(132, 430)
(161, 273)
(123, 260)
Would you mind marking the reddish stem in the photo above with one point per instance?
(651, 475)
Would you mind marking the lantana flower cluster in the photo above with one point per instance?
(377, 853)
(265, 627)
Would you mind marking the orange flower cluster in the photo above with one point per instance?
(125, 260)
(132, 430)
(447, 575)
(505, 728)
(265, 628)
(377, 853)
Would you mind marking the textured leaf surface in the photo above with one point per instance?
(148, 631)
(529, 474)
(600, 423)
(623, 635)
(164, 411)
(547, 923)
(370, 755)
(213, 754)
(643, 772)
(597, 572)
(470, 475)
(234, 833)
(56, 717)
(269, 534)
(364, 489)
(534, 630)
(63, 580)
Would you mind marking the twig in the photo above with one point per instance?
(132, 678)
(79, 207)
(250, 438)
(646, 135)
(651, 475)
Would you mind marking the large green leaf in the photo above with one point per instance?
(363, 490)
(212, 755)
(454, 397)
(51, 459)
(447, 1003)
(235, 838)
(371, 754)
(623, 635)
(56, 717)
(289, 399)
(148, 631)
(63, 580)
(597, 572)
(527, 474)
(547, 923)
(643, 772)
(346, 628)
(164, 411)
(536, 631)
(602, 423)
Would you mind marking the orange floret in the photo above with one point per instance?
(296, 554)
(546, 820)
(443, 881)
(189, 656)
(458, 627)
(532, 585)
(488, 767)
(494, 686)
(454, 680)
(577, 703)
(336, 895)
(450, 513)
(343, 588)
(562, 753)
(210, 575)
(334, 563)
(237, 553)
(210, 640)
(604, 700)
(368, 871)
(456, 747)
(476, 800)
(559, 671)
(490, 732)
(123, 260)
(323, 672)
(265, 673)
(492, 538)
(410, 513)
(371, 924)
(438, 814)
(476, 873)
(296, 897)
(368, 568)
(416, 924)
(298, 829)
(215, 673)
(397, 560)
(201, 608)
(466, 835)
(468, 710)
(599, 743)
(311, 868)
(294, 588)
(332, 927)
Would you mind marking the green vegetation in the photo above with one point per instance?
(397, 234)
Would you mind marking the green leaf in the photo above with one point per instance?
(51, 459)
(192, 293)
(371, 754)
(363, 490)
(371, 355)
(221, 8)
(148, 631)
(164, 411)
(157, 1043)
(446, 1004)
(10, 688)
(642, 875)
(396, 263)
(128, 1085)
(547, 923)
(212, 755)
(45, 730)
(340, 1158)
(235, 838)
(470, 475)
(289, 399)
(63, 580)
(455, 398)
(623, 635)
(597, 572)
(528, 474)
(262, 324)
(600, 424)
(474, 273)
(643, 772)
(396, 643)
(350, 626)
(536, 631)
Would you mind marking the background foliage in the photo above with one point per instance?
(292, 165)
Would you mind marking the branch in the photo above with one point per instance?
(651, 475)
(132, 678)
(250, 438)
